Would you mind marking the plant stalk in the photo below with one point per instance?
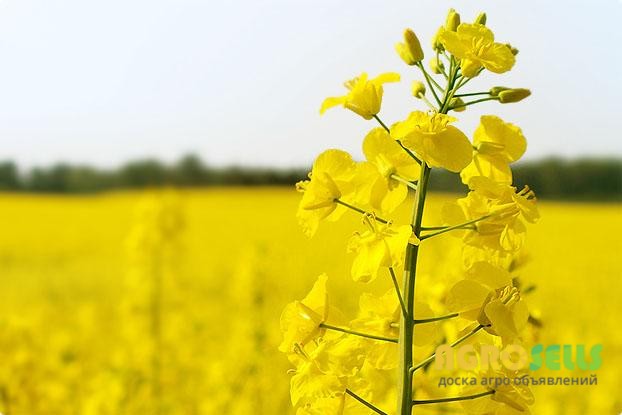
(407, 324)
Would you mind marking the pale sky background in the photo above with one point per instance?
(241, 81)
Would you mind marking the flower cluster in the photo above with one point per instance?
(346, 366)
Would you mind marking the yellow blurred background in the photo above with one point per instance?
(168, 301)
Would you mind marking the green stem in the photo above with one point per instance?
(429, 82)
(399, 294)
(438, 228)
(357, 333)
(359, 210)
(364, 402)
(454, 344)
(433, 319)
(404, 181)
(454, 399)
(405, 390)
(471, 94)
(438, 56)
(427, 102)
(466, 104)
(433, 228)
(382, 124)
(410, 153)
(407, 324)
(454, 227)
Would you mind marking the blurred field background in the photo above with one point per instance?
(167, 301)
(135, 280)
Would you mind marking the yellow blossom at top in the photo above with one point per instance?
(497, 144)
(330, 180)
(474, 45)
(391, 161)
(431, 137)
(364, 95)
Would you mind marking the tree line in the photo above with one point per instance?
(552, 178)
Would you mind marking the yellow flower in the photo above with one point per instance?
(380, 316)
(300, 320)
(390, 160)
(504, 201)
(324, 371)
(488, 296)
(410, 51)
(330, 177)
(510, 398)
(383, 245)
(344, 355)
(497, 144)
(434, 140)
(364, 96)
(339, 404)
(504, 229)
(309, 381)
(474, 45)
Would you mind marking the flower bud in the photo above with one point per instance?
(495, 90)
(418, 89)
(410, 51)
(436, 65)
(481, 19)
(512, 49)
(457, 104)
(436, 43)
(453, 20)
(513, 95)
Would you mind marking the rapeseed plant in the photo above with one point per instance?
(360, 366)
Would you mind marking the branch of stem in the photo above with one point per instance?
(364, 402)
(433, 319)
(357, 333)
(466, 104)
(410, 153)
(359, 210)
(454, 344)
(453, 399)
(429, 82)
(454, 227)
(404, 181)
(399, 294)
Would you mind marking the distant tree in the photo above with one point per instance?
(144, 173)
(190, 171)
(9, 176)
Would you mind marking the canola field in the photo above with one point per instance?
(168, 302)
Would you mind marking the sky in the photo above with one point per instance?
(241, 81)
